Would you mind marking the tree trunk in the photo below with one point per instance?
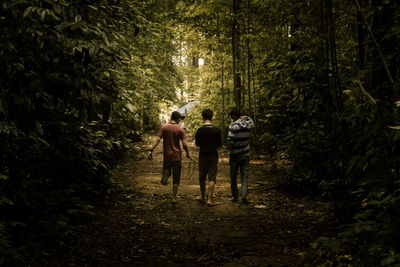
(237, 82)
(361, 40)
(249, 58)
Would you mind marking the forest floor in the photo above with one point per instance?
(139, 225)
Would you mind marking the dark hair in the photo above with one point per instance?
(176, 116)
(207, 114)
(235, 112)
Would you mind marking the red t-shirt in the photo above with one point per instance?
(171, 135)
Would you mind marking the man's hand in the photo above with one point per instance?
(150, 155)
(185, 147)
(156, 142)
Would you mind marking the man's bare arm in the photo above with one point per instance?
(153, 146)
(185, 147)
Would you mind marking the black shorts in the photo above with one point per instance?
(208, 165)
(175, 167)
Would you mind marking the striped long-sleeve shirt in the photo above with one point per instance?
(239, 136)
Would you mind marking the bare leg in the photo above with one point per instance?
(203, 169)
(211, 186)
(174, 190)
(176, 176)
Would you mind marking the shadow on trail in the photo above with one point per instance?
(140, 225)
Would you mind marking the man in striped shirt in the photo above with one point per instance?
(239, 159)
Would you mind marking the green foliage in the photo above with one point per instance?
(323, 89)
(79, 80)
(354, 157)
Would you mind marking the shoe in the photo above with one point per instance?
(210, 203)
(233, 199)
(202, 201)
(245, 201)
(174, 200)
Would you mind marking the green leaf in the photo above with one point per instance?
(93, 51)
(42, 15)
(365, 92)
(388, 260)
(6, 201)
(42, 141)
(27, 11)
(93, 7)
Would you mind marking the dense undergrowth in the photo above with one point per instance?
(70, 104)
(81, 80)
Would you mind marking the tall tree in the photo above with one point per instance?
(236, 56)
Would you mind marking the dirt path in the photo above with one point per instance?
(140, 226)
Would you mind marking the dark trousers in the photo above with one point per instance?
(175, 167)
(237, 163)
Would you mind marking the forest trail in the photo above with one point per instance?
(140, 225)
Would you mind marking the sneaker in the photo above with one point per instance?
(233, 199)
(245, 201)
(201, 200)
(210, 203)
(174, 200)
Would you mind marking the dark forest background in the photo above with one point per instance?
(82, 81)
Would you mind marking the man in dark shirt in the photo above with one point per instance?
(208, 138)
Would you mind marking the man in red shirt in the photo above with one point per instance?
(172, 134)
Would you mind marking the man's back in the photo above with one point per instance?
(208, 138)
(172, 133)
(239, 136)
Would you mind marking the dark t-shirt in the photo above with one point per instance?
(171, 135)
(208, 138)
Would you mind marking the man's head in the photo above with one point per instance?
(235, 113)
(207, 114)
(176, 116)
